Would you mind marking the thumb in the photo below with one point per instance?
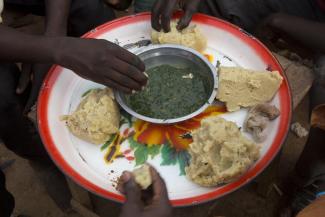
(133, 204)
(131, 189)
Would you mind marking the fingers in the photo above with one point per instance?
(155, 15)
(190, 8)
(185, 20)
(130, 71)
(24, 78)
(112, 84)
(167, 14)
(161, 14)
(158, 185)
(124, 80)
(130, 58)
(160, 201)
(133, 204)
(129, 68)
(131, 189)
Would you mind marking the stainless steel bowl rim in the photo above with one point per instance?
(213, 70)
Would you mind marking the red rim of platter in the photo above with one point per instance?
(258, 47)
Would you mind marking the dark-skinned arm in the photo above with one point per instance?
(98, 60)
(20, 47)
(305, 32)
(56, 24)
(56, 19)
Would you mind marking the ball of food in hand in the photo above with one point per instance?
(142, 176)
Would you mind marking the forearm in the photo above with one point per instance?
(20, 47)
(57, 14)
(308, 33)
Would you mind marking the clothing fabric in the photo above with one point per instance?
(249, 13)
(7, 202)
(16, 131)
(311, 163)
(84, 14)
(321, 4)
(143, 5)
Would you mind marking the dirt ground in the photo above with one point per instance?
(31, 184)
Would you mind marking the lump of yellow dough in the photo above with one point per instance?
(240, 87)
(219, 153)
(142, 176)
(188, 37)
(96, 118)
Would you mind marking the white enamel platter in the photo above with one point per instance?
(84, 162)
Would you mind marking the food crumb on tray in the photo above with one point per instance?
(258, 119)
(299, 130)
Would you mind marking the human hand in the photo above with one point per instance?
(34, 74)
(145, 203)
(103, 62)
(162, 12)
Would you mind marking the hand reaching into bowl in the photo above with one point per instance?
(162, 13)
(103, 62)
(145, 203)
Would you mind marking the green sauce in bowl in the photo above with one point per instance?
(171, 93)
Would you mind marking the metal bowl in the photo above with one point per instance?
(180, 56)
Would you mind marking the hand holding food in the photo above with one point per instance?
(162, 13)
(156, 204)
(103, 62)
(142, 176)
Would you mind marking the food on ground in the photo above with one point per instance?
(219, 153)
(170, 93)
(299, 130)
(96, 118)
(258, 118)
(240, 87)
(142, 176)
(189, 37)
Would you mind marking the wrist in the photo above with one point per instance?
(57, 50)
(55, 32)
